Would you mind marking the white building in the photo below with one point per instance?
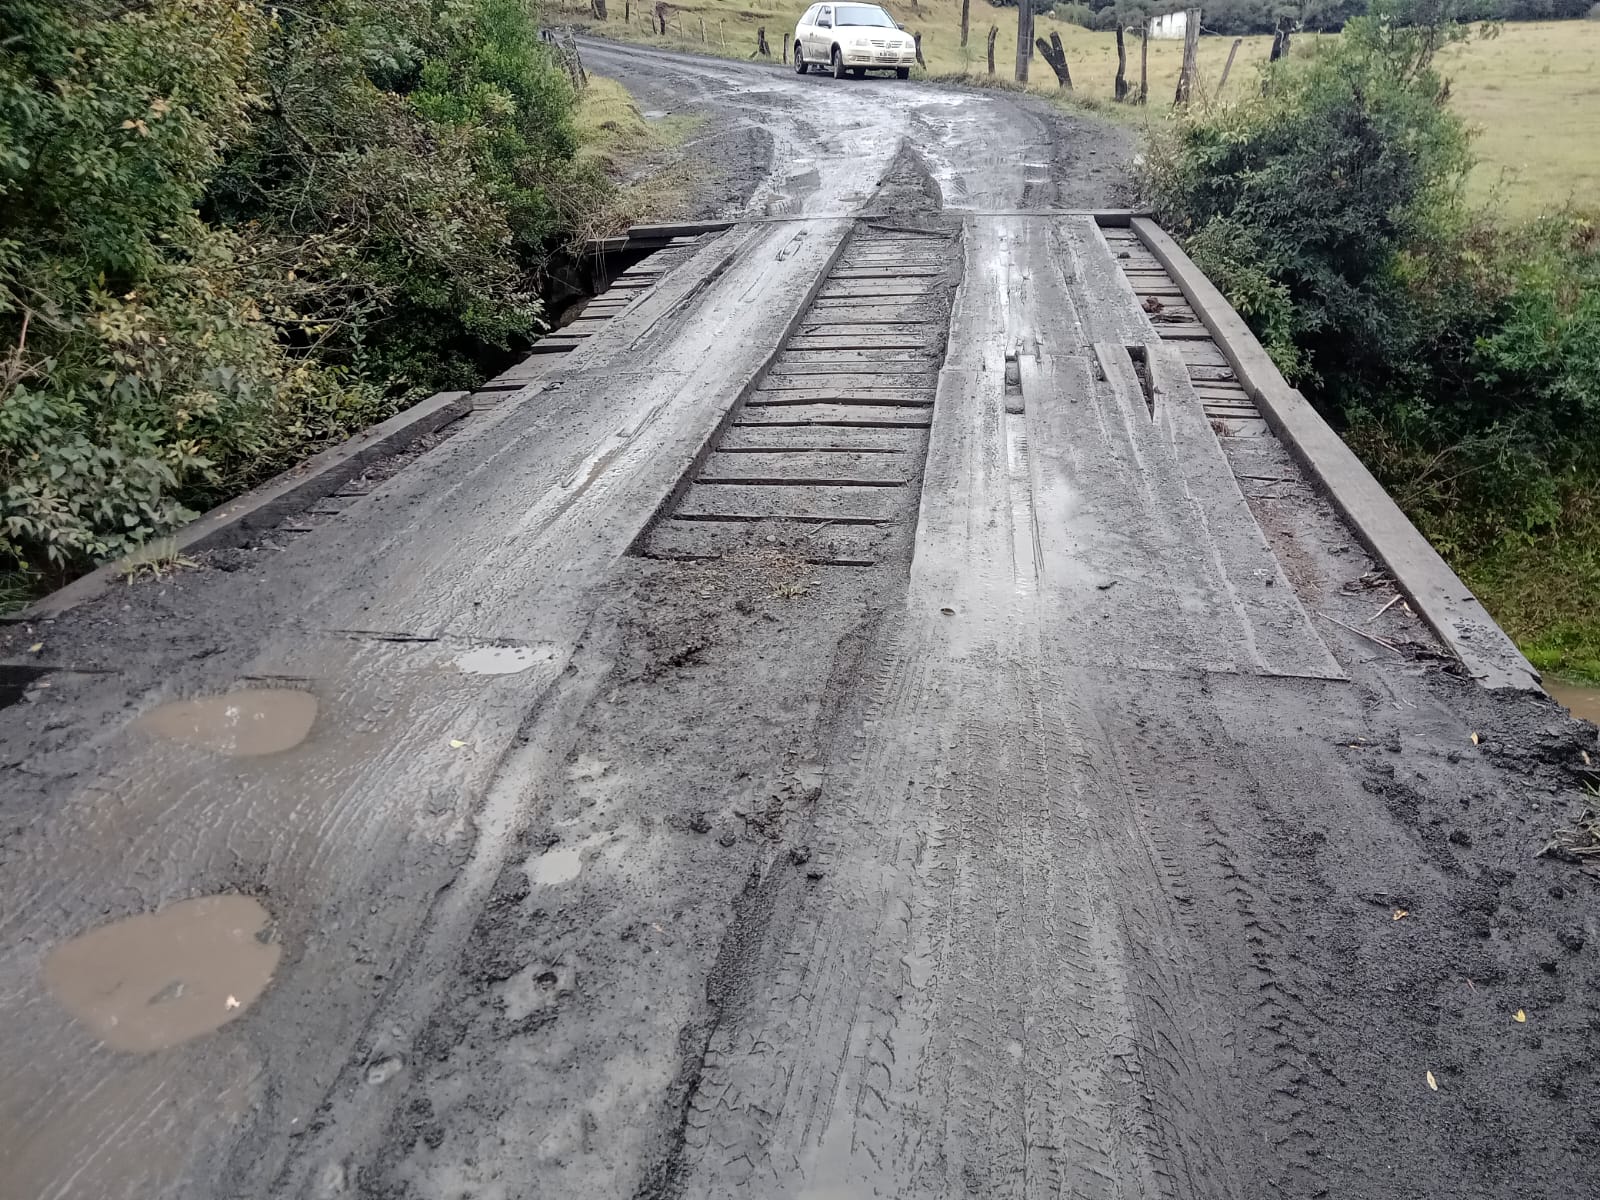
(1173, 25)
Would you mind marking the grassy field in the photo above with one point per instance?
(1533, 93)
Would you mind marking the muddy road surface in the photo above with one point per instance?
(867, 723)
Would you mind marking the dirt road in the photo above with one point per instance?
(966, 770)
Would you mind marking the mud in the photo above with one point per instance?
(246, 723)
(959, 874)
(152, 981)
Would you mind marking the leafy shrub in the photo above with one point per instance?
(428, 148)
(1325, 182)
(139, 362)
(231, 233)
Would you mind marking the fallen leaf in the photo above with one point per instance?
(456, 743)
(232, 1002)
(949, 612)
(1401, 914)
(35, 648)
(1521, 1017)
(1433, 1084)
(1585, 754)
(1474, 739)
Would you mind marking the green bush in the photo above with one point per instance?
(231, 233)
(428, 148)
(1325, 183)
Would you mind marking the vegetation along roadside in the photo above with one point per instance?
(1459, 354)
(231, 233)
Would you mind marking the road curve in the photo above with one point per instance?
(999, 790)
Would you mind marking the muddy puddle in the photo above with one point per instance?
(1582, 702)
(241, 724)
(560, 864)
(157, 979)
(502, 660)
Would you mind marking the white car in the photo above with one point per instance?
(852, 37)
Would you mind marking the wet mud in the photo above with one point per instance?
(148, 982)
(242, 724)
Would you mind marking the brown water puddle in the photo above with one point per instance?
(241, 724)
(153, 980)
(1583, 702)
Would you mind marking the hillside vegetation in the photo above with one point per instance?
(230, 233)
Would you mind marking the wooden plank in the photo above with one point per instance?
(835, 359)
(835, 329)
(808, 466)
(871, 289)
(746, 502)
(891, 311)
(901, 398)
(768, 439)
(870, 416)
(860, 341)
(1202, 354)
(1224, 394)
(850, 380)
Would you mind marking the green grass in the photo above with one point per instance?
(1532, 93)
(632, 150)
(1542, 591)
(1533, 97)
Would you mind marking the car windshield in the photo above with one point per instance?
(863, 14)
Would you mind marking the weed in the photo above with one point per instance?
(154, 560)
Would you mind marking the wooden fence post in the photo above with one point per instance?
(1232, 50)
(1119, 89)
(1024, 33)
(598, 8)
(966, 6)
(1144, 61)
(1280, 39)
(1056, 55)
(761, 42)
(994, 32)
(917, 39)
(1191, 48)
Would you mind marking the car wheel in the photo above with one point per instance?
(838, 64)
(902, 72)
(800, 66)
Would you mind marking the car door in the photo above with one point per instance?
(820, 47)
(803, 33)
